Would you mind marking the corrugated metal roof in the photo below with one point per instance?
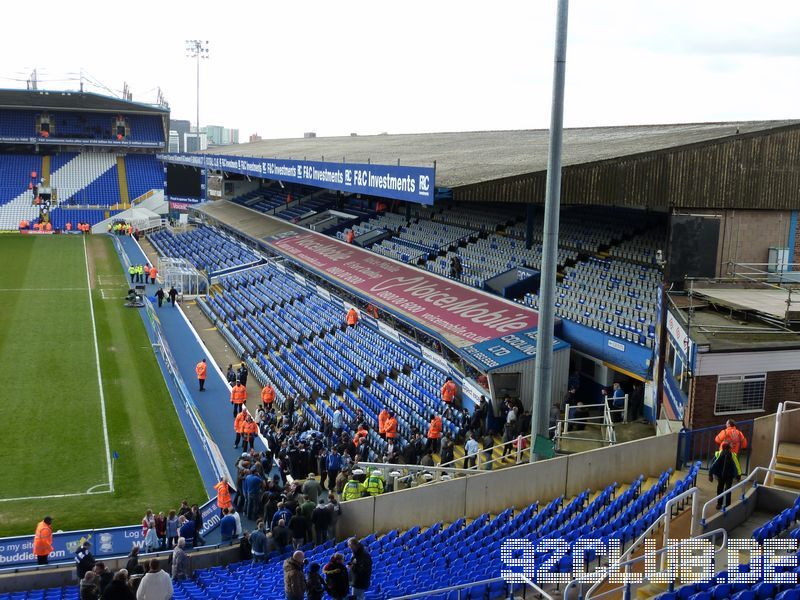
(469, 158)
(65, 100)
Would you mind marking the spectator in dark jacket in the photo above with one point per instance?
(281, 535)
(299, 528)
(84, 561)
(88, 587)
(314, 586)
(360, 569)
(119, 589)
(133, 566)
(104, 576)
(336, 579)
(725, 469)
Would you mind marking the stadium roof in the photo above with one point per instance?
(472, 157)
(72, 100)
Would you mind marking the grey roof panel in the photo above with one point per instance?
(66, 100)
(471, 157)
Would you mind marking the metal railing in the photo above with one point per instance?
(625, 559)
(700, 445)
(605, 422)
(510, 590)
(752, 481)
(658, 556)
(782, 407)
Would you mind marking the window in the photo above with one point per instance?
(740, 393)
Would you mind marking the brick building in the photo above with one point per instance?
(729, 355)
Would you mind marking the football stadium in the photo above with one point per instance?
(309, 367)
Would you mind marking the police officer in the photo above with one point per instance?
(132, 272)
(353, 489)
(375, 485)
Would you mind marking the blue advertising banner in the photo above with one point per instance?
(506, 350)
(677, 399)
(111, 541)
(77, 141)
(628, 355)
(414, 184)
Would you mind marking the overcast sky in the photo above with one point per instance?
(280, 68)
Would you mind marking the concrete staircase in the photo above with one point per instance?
(124, 198)
(46, 170)
(788, 460)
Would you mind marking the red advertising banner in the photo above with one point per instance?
(463, 315)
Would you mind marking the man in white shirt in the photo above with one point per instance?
(471, 449)
(156, 584)
(238, 522)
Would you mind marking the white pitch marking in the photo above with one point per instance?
(99, 373)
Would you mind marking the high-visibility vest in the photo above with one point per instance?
(390, 428)
(131, 270)
(735, 460)
(223, 495)
(374, 485)
(733, 437)
(250, 428)
(353, 489)
(383, 416)
(435, 429)
(153, 272)
(352, 317)
(268, 394)
(238, 422)
(238, 394)
(43, 539)
(449, 390)
(200, 369)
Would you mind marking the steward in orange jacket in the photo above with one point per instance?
(732, 436)
(267, 395)
(238, 427)
(238, 397)
(383, 416)
(390, 427)
(352, 317)
(43, 540)
(434, 433)
(200, 369)
(223, 494)
(449, 391)
(249, 430)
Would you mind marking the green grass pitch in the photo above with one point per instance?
(51, 425)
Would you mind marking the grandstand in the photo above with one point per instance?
(446, 286)
(207, 248)
(86, 151)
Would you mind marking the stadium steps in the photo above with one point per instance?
(46, 171)
(788, 459)
(122, 177)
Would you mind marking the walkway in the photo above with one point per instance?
(187, 349)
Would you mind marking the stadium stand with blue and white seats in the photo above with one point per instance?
(144, 173)
(80, 179)
(15, 197)
(294, 339)
(272, 200)
(434, 556)
(607, 259)
(81, 125)
(88, 179)
(205, 247)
